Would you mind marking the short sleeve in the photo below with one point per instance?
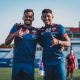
(62, 30)
(13, 29)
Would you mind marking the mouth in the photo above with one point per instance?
(27, 21)
(46, 21)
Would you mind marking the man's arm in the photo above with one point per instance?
(11, 36)
(64, 42)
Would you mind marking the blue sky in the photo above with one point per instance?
(66, 12)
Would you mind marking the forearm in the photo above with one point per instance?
(64, 43)
(9, 39)
(61, 42)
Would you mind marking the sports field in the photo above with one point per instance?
(5, 74)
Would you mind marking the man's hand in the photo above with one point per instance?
(54, 41)
(10, 37)
(19, 33)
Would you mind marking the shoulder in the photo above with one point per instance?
(58, 26)
(42, 28)
(34, 28)
(17, 25)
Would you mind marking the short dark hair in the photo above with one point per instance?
(47, 11)
(29, 10)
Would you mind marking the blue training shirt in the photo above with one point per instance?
(45, 39)
(25, 46)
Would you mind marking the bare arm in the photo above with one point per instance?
(10, 37)
(64, 42)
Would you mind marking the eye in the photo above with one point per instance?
(44, 16)
(28, 16)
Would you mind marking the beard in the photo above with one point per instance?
(28, 23)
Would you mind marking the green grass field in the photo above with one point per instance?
(5, 74)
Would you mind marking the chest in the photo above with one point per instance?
(50, 32)
(71, 57)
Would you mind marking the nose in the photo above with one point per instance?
(28, 17)
(46, 18)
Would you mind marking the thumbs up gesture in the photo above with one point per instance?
(21, 32)
(54, 41)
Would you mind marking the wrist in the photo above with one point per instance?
(60, 42)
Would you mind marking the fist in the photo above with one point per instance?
(21, 32)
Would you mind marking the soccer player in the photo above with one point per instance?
(25, 40)
(52, 37)
(70, 64)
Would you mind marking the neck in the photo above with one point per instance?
(48, 24)
(27, 25)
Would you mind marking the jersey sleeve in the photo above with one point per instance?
(62, 30)
(13, 29)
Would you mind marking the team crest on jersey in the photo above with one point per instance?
(48, 30)
(55, 29)
(27, 31)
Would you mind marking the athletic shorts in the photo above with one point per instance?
(22, 72)
(55, 72)
(70, 68)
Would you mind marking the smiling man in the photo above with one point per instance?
(25, 40)
(53, 38)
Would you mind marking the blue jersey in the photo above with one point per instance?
(45, 39)
(25, 46)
